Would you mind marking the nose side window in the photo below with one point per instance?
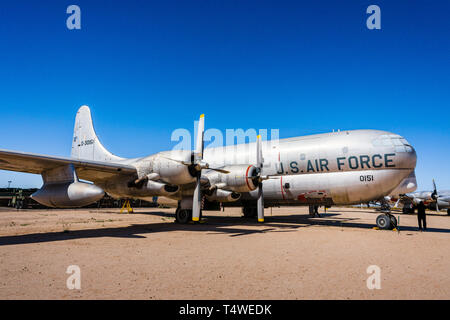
(400, 143)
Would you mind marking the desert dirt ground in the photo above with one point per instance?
(146, 255)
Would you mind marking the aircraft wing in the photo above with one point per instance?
(86, 169)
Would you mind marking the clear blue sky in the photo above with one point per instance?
(148, 67)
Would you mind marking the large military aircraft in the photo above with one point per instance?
(433, 200)
(339, 168)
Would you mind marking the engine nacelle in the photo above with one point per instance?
(159, 189)
(171, 171)
(220, 195)
(68, 195)
(242, 178)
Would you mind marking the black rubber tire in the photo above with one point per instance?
(183, 216)
(383, 222)
(393, 221)
(448, 212)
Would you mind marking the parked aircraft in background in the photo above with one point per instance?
(433, 200)
(339, 168)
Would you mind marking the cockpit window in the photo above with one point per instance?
(392, 140)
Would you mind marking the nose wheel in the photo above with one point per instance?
(386, 221)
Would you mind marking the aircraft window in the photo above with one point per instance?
(345, 149)
(386, 142)
(408, 149)
(400, 149)
(397, 142)
(302, 156)
(403, 140)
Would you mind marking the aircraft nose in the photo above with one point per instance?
(413, 156)
(407, 157)
(410, 158)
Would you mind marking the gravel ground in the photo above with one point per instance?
(146, 255)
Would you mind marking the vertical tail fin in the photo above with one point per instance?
(85, 143)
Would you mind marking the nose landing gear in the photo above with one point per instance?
(386, 221)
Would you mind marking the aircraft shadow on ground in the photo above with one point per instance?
(233, 226)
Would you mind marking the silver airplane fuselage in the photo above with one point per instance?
(345, 167)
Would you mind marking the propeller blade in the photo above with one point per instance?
(435, 196)
(179, 161)
(219, 170)
(259, 158)
(188, 164)
(200, 142)
(196, 201)
(198, 157)
(259, 164)
(260, 204)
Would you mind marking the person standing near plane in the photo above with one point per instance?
(421, 216)
(316, 211)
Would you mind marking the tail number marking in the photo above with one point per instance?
(366, 178)
(87, 142)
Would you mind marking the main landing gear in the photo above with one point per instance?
(386, 221)
(184, 216)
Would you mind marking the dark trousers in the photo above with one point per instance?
(422, 218)
(316, 211)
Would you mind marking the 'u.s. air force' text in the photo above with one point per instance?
(353, 162)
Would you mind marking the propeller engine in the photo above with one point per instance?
(435, 196)
(259, 165)
(196, 166)
(241, 178)
(245, 178)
